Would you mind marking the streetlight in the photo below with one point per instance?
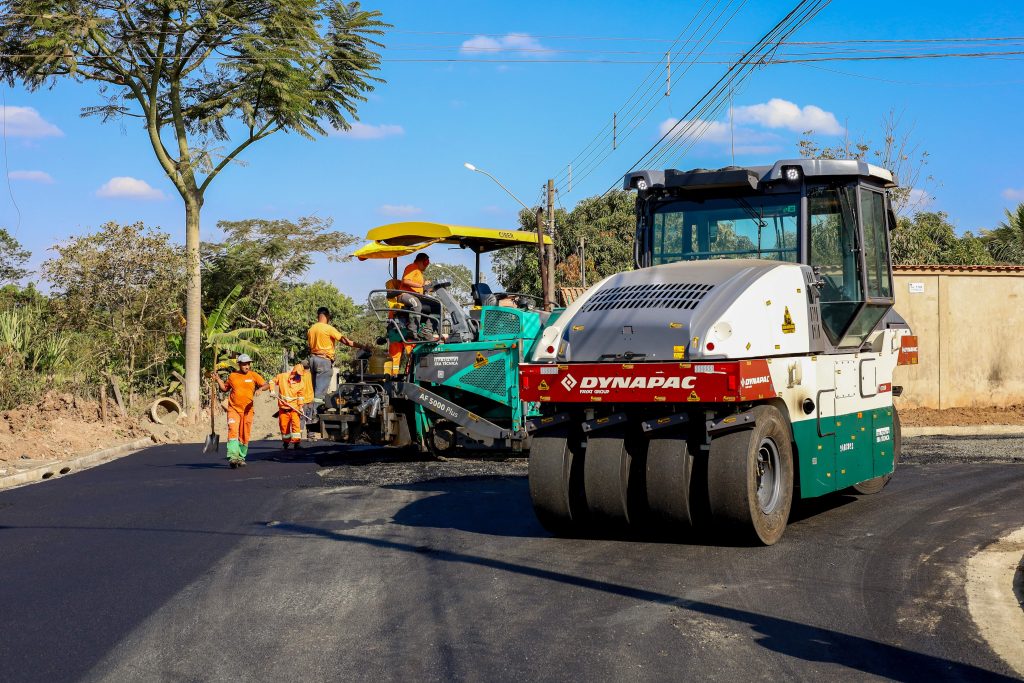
(546, 292)
(471, 167)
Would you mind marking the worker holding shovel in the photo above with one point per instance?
(243, 384)
(289, 386)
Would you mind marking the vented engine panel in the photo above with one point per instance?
(678, 295)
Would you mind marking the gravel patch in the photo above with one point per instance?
(925, 450)
(380, 467)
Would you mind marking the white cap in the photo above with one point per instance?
(243, 358)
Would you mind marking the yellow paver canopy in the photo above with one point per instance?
(402, 239)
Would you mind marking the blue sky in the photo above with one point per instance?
(524, 122)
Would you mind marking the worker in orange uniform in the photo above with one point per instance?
(243, 384)
(289, 406)
(322, 337)
(413, 281)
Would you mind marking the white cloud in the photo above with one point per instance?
(780, 113)
(133, 188)
(31, 176)
(522, 44)
(399, 210)
(745, 140)
(1014, 195)
(25, 122)
(481, 44)
(367, 131)
(919, 199)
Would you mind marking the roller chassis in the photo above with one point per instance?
(645, 427)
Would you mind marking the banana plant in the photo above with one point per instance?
(221, 342)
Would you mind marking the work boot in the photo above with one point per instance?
(233, 463)
(297, 445)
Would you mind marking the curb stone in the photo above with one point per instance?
(974, 430)
(59, 468)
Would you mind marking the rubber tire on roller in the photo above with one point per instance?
(676, 483)
(556, 481)
(733, 478)
(613, 476)
(875, 485)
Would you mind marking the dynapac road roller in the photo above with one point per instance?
(748, 359)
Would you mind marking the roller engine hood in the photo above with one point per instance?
(741, 307)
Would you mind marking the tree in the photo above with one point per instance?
(1006, 242)
(12, 258)
(261, 255)
(123, 286)
(607, 223)
(899, 153)
(929, 238)
(198, 74)
(460, 276)
(293, 309)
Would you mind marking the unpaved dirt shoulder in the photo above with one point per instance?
(995, 597)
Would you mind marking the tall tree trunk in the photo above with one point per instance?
(193, 307)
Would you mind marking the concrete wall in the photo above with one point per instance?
(969, 324)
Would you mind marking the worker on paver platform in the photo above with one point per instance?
(322, 338)
(289, 406)
(413, 281)
(242, 385)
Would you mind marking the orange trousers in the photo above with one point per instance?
(239, 430)
(291, 425)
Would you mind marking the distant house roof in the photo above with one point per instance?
(957, 270)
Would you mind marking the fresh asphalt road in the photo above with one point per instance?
(166, 565)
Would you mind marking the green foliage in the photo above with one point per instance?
(929, 238)
(293, 309)
(221, 340)
(30, 355)
(460, 276)
(607, 223)
(262, 255)
(1006, 242)
(122, 286)
(12, 258)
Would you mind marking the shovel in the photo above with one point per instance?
(213, 440)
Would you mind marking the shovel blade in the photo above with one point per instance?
(212, 443)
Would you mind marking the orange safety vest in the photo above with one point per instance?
(289, 391)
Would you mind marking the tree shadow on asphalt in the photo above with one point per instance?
(785, 636)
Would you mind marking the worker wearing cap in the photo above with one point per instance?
(322, 337)
(242, 385)
(289, 406)
(414, 281)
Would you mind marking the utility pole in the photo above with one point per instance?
(551, 247)
(583, 261)
(545, 293)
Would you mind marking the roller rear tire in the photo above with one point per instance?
(556, 481)
(750, 478)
